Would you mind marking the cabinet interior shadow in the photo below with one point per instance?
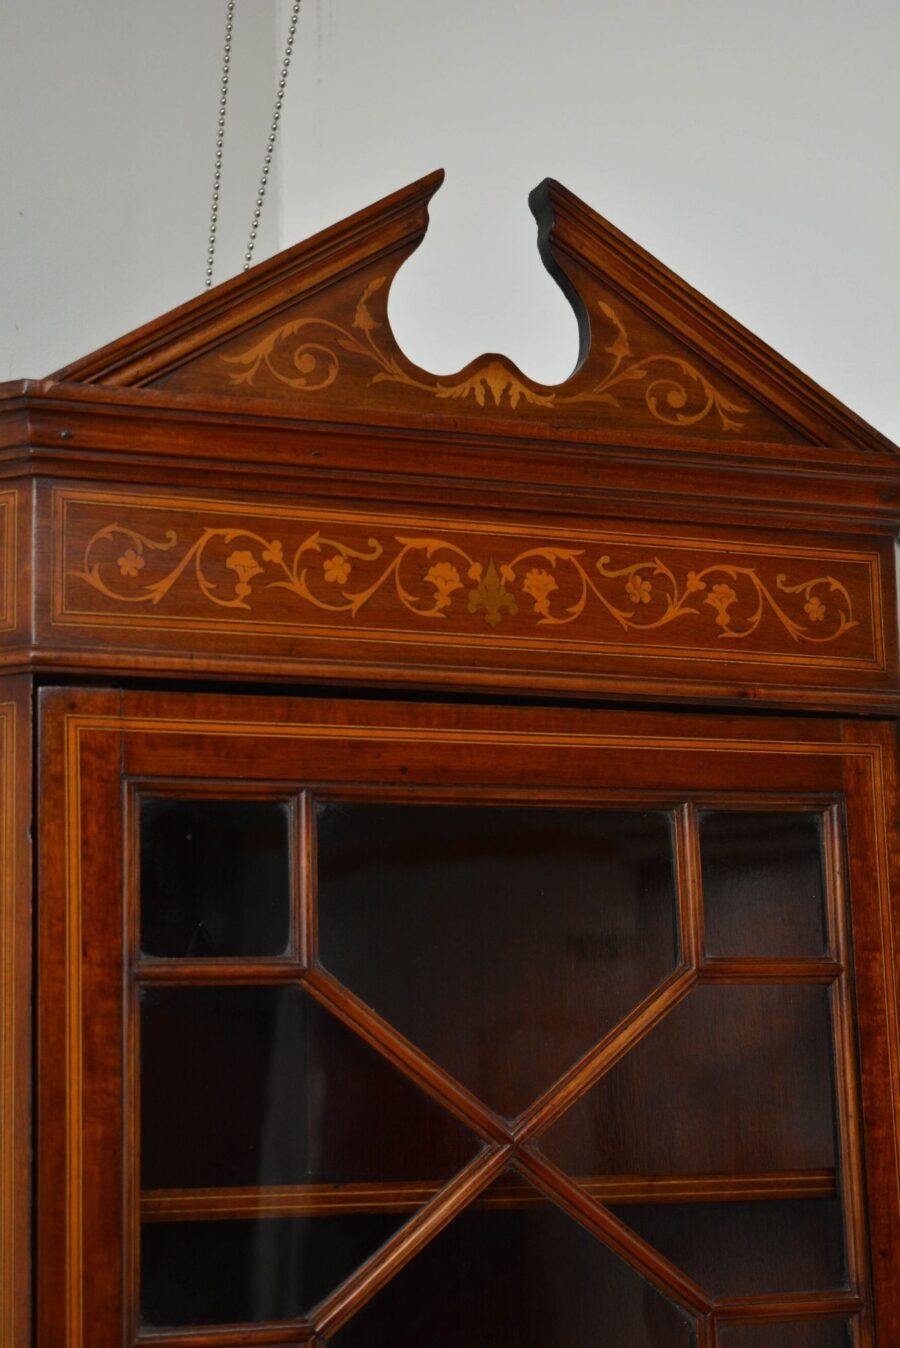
(215, 877)
(504, 940)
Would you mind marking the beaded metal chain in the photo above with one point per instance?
(220, 140)
(270, 143)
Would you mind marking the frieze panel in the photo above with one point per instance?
(8, 982)
(213, 566)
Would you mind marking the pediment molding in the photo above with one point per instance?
(310, 329)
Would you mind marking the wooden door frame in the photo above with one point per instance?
(109, 738)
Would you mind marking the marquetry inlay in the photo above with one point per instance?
(212, 565)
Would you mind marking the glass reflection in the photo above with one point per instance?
(257, 1095)
(745, 1249)
(516, 1270)
(735, 1079)
(505, 941)
(763, 883)
(215, 878)
(794, 1334)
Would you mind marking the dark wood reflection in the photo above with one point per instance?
(527, 1277)
(503, 940)
(745, 1249)
(794, 1334)
(198, 1273)
(261, 1086)
(763, 883)
(215, 878)
(736, 1078)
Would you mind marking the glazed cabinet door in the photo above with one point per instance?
(370, 1024)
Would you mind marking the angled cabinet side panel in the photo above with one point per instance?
(15, 1011)
(79, 1093)
(872, 772)
(16, 497)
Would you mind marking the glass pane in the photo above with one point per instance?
(763, 883)
(740, 1249)
(504, 940)
(244, 1272)
(261, 1086)
(793, 1334)
(735, 1079)
(254, 1098)
(516, 1271)
(215, 878)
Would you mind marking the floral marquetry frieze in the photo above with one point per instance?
(299, 575)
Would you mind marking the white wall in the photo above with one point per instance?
(754, 148)
(752, 145)
(107, 130)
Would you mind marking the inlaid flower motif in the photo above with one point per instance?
(638, 589)
(130, 563)
(540, 585)
(363, 319)
(694, 583)
(721, 597)
(245, 566)
(445, 579)
(336, 569)
(492, 597)
(274, 552)
(815, 608)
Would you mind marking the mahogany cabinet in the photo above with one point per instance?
(450, 866)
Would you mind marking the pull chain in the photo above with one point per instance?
(273, 132)
(220, 141)
(270, 143)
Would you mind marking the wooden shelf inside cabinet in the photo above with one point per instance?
(318, 1200)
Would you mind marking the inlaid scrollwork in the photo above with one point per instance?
(674, 391)
(435, 578)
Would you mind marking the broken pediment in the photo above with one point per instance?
(309, 328)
